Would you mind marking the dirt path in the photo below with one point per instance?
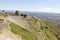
(19, 20)
(5, 32)
(8, 35)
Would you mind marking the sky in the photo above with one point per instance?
(31, 5)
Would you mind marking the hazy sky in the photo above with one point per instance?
(31, 5)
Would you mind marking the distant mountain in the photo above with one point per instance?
(38, 14)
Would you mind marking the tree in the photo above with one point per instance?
(3, 11)
(25, 16)
(21, 14)
(17, 13)
(46, 27)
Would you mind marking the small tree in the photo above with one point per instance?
(3, 11)
(21, 14)
(17, 13)
(46, 27)
(25, 16)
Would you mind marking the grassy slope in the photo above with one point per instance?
(52, 26)
(33, 23)
(26, 35)
(47, 30)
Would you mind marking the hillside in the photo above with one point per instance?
(27, 28)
